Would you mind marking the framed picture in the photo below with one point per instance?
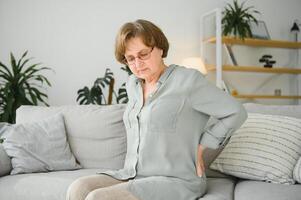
(259, 30)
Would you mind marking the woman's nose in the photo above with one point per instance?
(138, 62)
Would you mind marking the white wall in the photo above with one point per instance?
(76, 37)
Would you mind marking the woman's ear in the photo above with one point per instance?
(161, 51)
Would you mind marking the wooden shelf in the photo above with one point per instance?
(279, 70)
(242, 96)
(257, 42)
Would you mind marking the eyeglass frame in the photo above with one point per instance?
(147, 56)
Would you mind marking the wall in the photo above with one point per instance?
(76, 37)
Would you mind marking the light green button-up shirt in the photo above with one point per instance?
(163, 134)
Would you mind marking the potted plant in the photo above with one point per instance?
(236, 20)
(20, 85)
(95, 94)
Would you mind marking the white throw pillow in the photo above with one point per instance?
(39, 146)
(297, 171)
(266, 147)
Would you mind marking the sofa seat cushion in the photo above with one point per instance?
(54, 185)
(250, 190)
(220, 189)
(40, 186)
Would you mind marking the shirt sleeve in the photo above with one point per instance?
(229, 114)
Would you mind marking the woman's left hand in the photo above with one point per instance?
(200, 166)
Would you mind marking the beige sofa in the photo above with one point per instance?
(97, 138)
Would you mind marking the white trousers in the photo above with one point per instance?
(99, 187)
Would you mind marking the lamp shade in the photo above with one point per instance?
(195, 63)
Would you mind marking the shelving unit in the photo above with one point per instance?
(219, 68)
(278, 70)
(250, 96)
(257, 42)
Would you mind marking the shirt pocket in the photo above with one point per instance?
(164, 115)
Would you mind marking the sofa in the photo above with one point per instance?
(97, 139)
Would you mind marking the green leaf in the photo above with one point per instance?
(127, 69)
(23, 64)
(6, 69)
(13, 64)
(85, 96)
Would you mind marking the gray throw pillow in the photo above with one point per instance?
(266, 147)
(39, 146)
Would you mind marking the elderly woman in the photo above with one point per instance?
(165, 120)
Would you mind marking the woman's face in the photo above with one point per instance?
(145, 62)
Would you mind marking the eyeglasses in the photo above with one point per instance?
(143, 55)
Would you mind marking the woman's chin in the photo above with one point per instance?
(142, 75)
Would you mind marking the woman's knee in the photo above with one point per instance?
(91, 196)
(79, 189)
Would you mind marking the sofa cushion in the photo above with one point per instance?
(297, 171)
(219, 189)
(96, 134)
(5, 163)
(251, 190)
(209, 155)
(39, 146)
(285, 110)
(40, 186)
(36, 186)
(266, 147)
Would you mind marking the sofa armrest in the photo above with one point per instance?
(5, 162)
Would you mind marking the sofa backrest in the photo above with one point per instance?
(285, 110)
(96, 134)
